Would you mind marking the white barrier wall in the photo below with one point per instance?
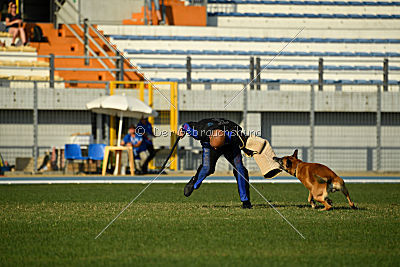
(301, 9)
(284, 31)
(345, 133)
(101, 12)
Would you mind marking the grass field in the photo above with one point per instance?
(56, 225)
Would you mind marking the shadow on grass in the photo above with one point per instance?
(267, 206)
(302, 206)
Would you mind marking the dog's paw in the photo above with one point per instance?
(326, 209)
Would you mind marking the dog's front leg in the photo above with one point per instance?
(311, 200)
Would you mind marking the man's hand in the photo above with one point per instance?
(248, 152)
(181, 132)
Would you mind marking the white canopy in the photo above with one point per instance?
(121, 105)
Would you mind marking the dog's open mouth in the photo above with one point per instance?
(279, 160)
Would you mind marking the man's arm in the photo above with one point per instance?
(189, 128)
(125, 140)
(236, 137)
(138, 141)
(239, 139)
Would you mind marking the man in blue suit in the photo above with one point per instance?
(219, 137)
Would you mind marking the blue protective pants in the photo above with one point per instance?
(234, 157)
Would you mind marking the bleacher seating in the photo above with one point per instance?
(20, 67)
(285, 81)
(259, 53)
(276, 67)
(310, 14)
(304, 15)
(251, 39)
(23, 81)
(302, 3)
(341, 9)
(353, 38)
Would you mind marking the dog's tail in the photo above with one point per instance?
(346, 193)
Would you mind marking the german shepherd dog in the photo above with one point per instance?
(317, 178)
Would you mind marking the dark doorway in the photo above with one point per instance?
(32, 10)
(37, 10)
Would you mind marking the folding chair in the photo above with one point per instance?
(73, 152)
(96, 152)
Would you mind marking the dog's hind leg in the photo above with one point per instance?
(324, 202)
(346, 193)
(322, 197)
(311, 200)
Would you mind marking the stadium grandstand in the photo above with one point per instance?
(320, 76)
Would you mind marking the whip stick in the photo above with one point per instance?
(170, 153)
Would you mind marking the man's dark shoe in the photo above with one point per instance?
(189, 187)
(247, 205)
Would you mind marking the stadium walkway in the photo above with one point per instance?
(182, 178)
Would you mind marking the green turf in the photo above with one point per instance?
(56, 225)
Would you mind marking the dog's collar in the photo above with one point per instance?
(295, 170)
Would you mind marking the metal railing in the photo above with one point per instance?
(254, 69)
(117, 61)
(197, 2)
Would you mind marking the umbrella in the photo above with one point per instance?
(122, 106)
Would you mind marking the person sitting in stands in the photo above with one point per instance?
(157, 8)
(140, 152)
(14, 24)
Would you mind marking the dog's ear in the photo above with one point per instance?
(295, 154)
